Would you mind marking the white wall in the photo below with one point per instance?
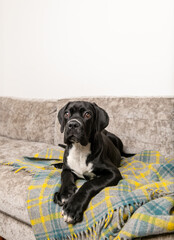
(66, 48)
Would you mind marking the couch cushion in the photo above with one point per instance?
(11, 228)
(32, 120)
(13, 186)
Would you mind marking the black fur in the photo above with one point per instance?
(85, 122)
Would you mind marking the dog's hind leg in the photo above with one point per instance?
(118, 143)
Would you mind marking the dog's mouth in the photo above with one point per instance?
(73, 139)
(76, 139)
(75, 134)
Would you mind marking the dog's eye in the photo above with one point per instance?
(67, 115)
(87, 115)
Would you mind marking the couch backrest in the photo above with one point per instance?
(141, 123)
(32, 120)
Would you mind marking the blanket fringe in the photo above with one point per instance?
(94, 232)
(123, 214)
(153, 194)
(17, 168)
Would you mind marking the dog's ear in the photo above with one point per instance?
(102, 118)
(61, 117)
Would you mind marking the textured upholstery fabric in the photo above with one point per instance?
(19, 148)
(141, 123)
(27, 120)
(13, 190)
(12, 229)
(13, 186)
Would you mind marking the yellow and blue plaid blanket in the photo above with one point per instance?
(141, 204)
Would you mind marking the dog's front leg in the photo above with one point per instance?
(67, 188)
(73, 209)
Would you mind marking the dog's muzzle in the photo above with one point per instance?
(74, 131)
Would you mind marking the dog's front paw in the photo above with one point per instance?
(59, 199)
(64, 194)
(72, 211)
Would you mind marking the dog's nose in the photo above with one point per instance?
(73, 124)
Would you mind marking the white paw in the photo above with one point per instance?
(64, 200)
(67, 218)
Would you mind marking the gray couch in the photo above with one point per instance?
(29, 126)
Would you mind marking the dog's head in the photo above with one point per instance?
(80, 120)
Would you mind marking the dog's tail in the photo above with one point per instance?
(127, 154)
(62, 145)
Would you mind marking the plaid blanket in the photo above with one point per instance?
(141, 204)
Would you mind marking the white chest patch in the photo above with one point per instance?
(77, 159)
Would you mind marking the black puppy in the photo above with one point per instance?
(92, 153)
